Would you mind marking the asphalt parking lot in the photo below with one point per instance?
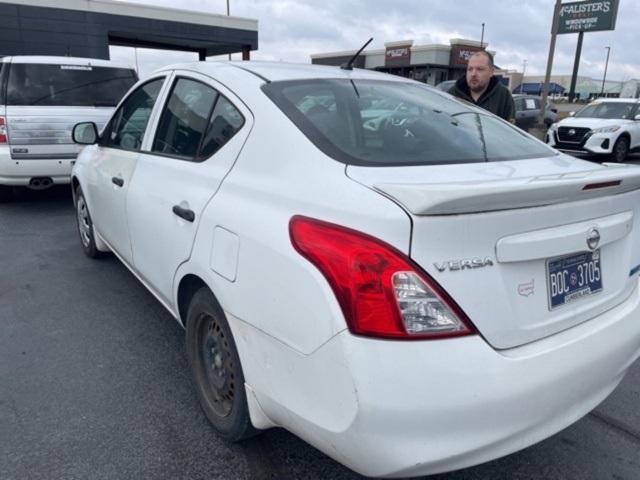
(94, 382)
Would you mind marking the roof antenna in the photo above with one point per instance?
(349, 64)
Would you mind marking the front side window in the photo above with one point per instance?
(184, 119)
(67, 85)
(388, 123)
(127, 127)
(608, 110)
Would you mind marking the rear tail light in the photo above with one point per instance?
(3, 130)
(381, 292)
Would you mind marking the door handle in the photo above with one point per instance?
(117, 181)
(185, 213)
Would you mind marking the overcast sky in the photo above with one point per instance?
(291, 30)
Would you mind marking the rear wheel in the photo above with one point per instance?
(85, 226)
(620, 150)
(6, 193)
(216, 368)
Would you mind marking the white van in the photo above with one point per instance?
(41, 99)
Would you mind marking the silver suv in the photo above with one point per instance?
(41, 98)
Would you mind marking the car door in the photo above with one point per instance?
(115, 161)
(198, 136)
(634, 129)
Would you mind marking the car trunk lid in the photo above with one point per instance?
(501, 238)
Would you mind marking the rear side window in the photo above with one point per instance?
(67, 85)
(184, 119)
(196, 122)
(127, 127)
(225, 121)
(390, 123)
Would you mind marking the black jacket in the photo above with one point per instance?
(497, 98)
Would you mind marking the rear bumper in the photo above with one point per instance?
(397, 409)
(20, 172)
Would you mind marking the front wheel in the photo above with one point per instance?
(620, 150)
(85, 226)
(216, 368)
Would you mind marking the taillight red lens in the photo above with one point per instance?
(3, 130)
(381, 292)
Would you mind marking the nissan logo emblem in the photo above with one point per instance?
(572, 132)
(593, 238)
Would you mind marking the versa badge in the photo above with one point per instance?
(453, 265)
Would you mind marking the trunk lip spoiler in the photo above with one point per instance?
(454, 198)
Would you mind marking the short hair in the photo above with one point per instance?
(486, 54)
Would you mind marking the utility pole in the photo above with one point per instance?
(482, 37)
(547, 77)
(606, 65)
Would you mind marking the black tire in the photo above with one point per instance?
(620, 150)
(85, 227)
(6, 193)
(215, 366)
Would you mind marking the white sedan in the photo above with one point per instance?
(406, 282)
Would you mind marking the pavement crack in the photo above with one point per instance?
(617, 425)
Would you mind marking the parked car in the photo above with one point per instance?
(607, 127)
(528, 111)
(411, 295)
(41, 98)
(446, 85)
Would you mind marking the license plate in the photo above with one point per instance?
(572, 277)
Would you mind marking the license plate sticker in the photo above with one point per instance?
(572, 277)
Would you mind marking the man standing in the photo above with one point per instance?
(483, 89)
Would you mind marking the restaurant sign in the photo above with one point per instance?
(460, 54)
(398, 56)
(589, 16)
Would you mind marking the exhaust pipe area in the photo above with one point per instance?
(40, 183)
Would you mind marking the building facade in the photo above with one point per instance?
(430, 64)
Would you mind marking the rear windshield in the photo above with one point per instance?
(67, 85)
(608, 110)
(373, 122)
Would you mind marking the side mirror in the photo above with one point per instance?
(637, 117)
(85, 133)
(572, 114)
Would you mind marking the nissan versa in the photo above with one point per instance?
(405, 281)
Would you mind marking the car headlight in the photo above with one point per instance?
(553, 127)
(613, 128)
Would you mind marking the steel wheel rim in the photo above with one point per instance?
(84, 225)
(217, 363)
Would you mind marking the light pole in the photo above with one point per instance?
(482, 38)
(524, 72)
(227, 16)
(606, 65)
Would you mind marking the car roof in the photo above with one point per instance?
(53, 60)
(281, 71)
